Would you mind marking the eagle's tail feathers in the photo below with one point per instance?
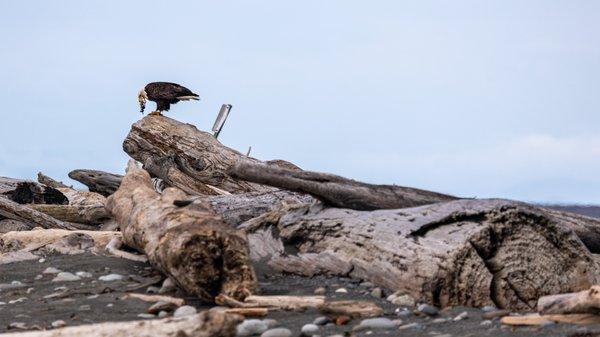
(187, 98)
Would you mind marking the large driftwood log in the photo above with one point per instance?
(97, 181)
(90, 215)
(464, 252)
(12, 210)
(583, 302)
(204, 324)
(335, 190)
(191, 244)
(185, 157)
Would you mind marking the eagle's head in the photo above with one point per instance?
(142, 98)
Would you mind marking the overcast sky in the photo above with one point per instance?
(474, 98)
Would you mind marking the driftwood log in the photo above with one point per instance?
(204, 324)
(583, 302)
(463, 252)
(27, 215)
(45, 180)
(97, 181)
(335, 190)
(27, 192)
(185, 157)
(191, 244)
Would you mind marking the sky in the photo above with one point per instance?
(471, 98)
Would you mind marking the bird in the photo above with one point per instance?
(164, 94)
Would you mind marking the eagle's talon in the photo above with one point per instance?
(155, 113)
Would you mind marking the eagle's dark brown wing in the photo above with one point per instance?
(167, 91)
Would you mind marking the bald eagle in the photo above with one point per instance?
(164, 94)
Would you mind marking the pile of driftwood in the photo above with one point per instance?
(205, 214)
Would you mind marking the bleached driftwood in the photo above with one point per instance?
(335, 190)
(354, 309)
(177, 302)
(12, 210)
(193, 246)
(185, 157)
(204, 324)
(583, 302)
(537, 319)
(91, 215)
(463, 252)
(97, 181)
(114, 248)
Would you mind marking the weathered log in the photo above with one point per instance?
(204, 324)
(192, 245)
(536, 319)
(463, 252)
(45, 180)
(12, 210)
(583, 302)
(97, 181)
(335, 190)
(185, 157)
(10, 225)
(91, 215)
(27, 192)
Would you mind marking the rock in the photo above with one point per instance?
(309, 329)
(58, 324)
(38, 277)
(42, 260)
(320, 291)
(152, 290)
(16, 283)
(486, 322)
(91, 297)
(403, 301)
(146, 316)
(109, 305)
(277, 332)
(375, 323)
(461, 316)
(167, 286)
(251, 327)
(403, 313)
(111, 277)
(377, 292)
(489, 308)
(185, 310)
(366, 285)
(64, 276)
(17, 325)
(411, 326)
(428, 310)
(30, 290)
(85, 307)
(341, 320)
(271, 323)
(439, 320)
(83, 274)
(321, 320)
(341, 291)
(163, 314)
(51, 270)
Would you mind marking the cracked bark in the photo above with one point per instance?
(463, 252)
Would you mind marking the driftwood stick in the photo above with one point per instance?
(583, 302)
(156, 298)
(12, 210)
(204, 324)
(191, 244)
(97, 181)
(334, 190)
(536, 319)
(286, 302)
(113, 247)
(45, 180)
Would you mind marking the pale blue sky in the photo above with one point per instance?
(474, 98)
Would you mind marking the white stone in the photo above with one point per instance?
(251, 327)
(163, 314)
(375, 323)
(146, 316)
(167, 286)
(83, 274)
(42, 260)
(64, 276)
(51, 270)
(461, 316)
(58, 324)
(403, 301)
(185, 310)
(277, 332)
(111, 277)
(309, 329)
(341, 291)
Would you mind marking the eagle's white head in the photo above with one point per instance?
(142, 99)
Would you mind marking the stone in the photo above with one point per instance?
(403, 313)
(185, 310)
(277, 332)
(486, 322)
(85, 307)
(377, 292)
(428, 310)
(111, 277)
(366, 285)
(320, 291)
(30, 290)
(83, 274)
(403, 301)
(461, 316)
(58, 324)
(38, 277)
(91, 297)
(375, 323)
(341, 291)
(341, 320)
(51, 270)
(163, 314)
(148, 316)
(16, 283)
(309, 329)
(251, 327)
(64, 276)
(439, 320)
(167, 286)
(411, 326)
(489, 308)
(321, 320)
(152, 290)
(42, 260)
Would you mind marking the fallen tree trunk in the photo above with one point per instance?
(463, 252)
(583, 302)
(98, 181)
(91, 215)
(192, 245)
(185, 157)
(335, 190)
(204, 324)
(31, 217)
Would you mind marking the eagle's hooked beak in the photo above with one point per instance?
(142, 98)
